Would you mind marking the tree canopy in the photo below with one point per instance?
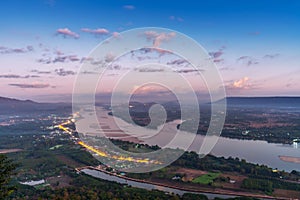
(7, 169)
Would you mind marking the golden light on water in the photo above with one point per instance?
(104, 154)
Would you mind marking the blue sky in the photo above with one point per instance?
(256, 42)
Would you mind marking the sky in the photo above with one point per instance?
(254, 44)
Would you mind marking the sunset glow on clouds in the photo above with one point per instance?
(67, 32)
(242, 83)
(253, 43)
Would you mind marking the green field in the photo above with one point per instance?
(206, 178)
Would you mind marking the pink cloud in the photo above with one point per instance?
(158, 38)
(151, 35)
(30, 85)
(242, 83)
(99, 31)
(67, 32)
(146, 89)
(116, 34)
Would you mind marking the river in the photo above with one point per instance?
(260, 152)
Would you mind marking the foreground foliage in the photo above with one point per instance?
(6, 171)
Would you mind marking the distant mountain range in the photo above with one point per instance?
(9, 105)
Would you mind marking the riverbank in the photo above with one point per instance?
(254, 151)
(182, 188)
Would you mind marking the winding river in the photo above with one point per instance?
(260, 152)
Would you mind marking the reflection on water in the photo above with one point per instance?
(260, 152)
(295, 145)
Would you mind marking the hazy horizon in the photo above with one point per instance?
(68, 98)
